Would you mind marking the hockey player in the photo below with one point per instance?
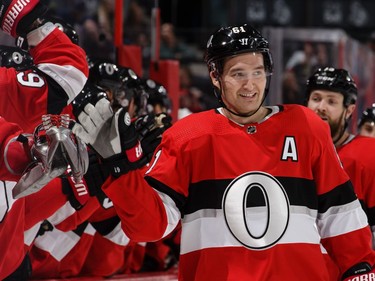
(258, 184)
(332, 94)
(366, 124)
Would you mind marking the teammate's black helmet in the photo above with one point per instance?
(123, 83)
(368, 115)
(109, 75)
(64, 27)
(15, 57)
(89, 94)
(335, 80)
(157, 94)
(234, 40)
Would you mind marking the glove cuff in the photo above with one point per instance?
(119, 164)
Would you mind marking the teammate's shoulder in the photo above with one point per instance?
(366, 143)
(302, 112)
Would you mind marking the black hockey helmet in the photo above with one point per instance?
(89, 94)
(368, 115)
(15, 57)
(335, 80)
(64, 27)
(157, 94)
(234, 40)
(123, 83)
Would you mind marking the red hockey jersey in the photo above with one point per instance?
(357, 157)
(11, 211)
(255, 200)
(59, 75)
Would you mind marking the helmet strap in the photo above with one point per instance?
(342, 131)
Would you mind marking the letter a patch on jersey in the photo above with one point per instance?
(289, 150)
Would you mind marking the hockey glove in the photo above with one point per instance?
(359, 272)
(150, 129)
(111, 135)
(17, 17)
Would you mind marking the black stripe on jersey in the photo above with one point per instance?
(209, 194)
(178, 198)
(370, 215)
(81, 228)
(57, 97)
(342, 194)
(105, 227)
(300, 192)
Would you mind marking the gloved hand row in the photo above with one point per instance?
(124, 144)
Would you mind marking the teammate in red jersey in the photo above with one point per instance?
(366, 124)
(60, 73)
(257, 188)
(332, 94)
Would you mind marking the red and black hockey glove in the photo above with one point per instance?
(150, 129)
(112, 135)
(17, 17)
(360, 272)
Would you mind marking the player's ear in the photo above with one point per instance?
(350, 111)
(214, 79)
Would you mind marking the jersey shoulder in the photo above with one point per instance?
(305, 120)
(196, 125)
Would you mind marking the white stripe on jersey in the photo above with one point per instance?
(214, 232)
(61, 214)
(59, 243)
(68, 77)
(342, 219)
(117, 236)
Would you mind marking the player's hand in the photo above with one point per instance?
(360, 272)
(19, 17)
(150, 129)
(112, 135)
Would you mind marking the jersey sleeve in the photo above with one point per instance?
(140, 208)
(13, 156)
(341, 220)
(59, 75)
